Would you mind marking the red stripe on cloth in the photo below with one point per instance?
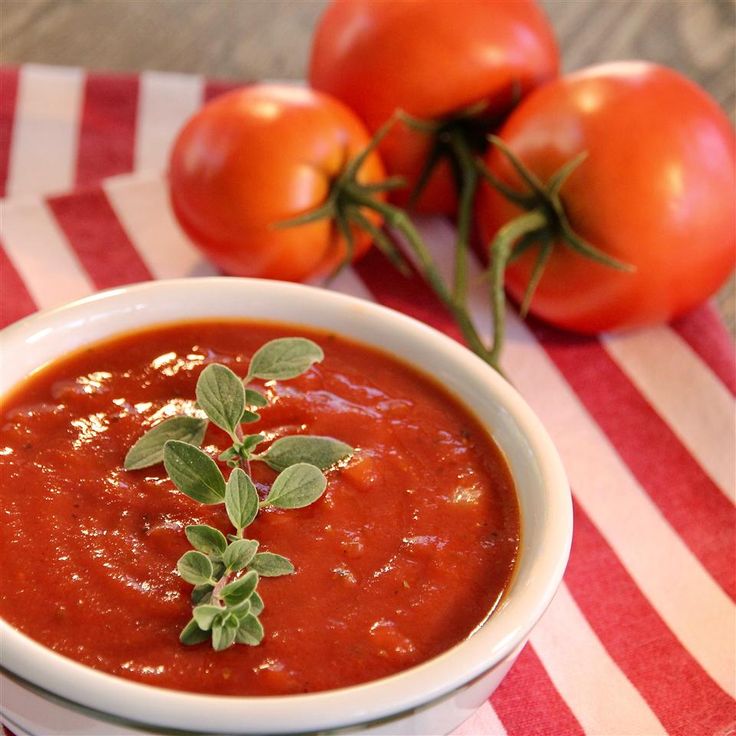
(704, 331)
(692, 503)
(214, 89)
(15, 300)
(677, 689)
(98, 238)
(528, 704)
(8, 96)
(107, 131)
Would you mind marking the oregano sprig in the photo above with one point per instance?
(226, 570)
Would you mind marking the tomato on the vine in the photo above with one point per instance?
(656, 191)
(256, 158)
(435, 61)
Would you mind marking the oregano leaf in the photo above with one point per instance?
(192, 634)
(242, 609)
(239, 554)
(250, 631)
(240, 589)
(232, 453)
(201, 593)
(195, 568)
(255, 399)
(322, 452)
(284, 358)
(256, 603)
(296, 487)
(194, 472)
(205, 614)
(223, 636)
(149, 449)
(206, 539)
(230, 620)
(221, 395)
(241, 499)
(250, 441)
(270, 565)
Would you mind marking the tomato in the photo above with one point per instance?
(433, 60)
(656, 191)
(257, 157)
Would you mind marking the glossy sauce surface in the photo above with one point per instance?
(409, 549)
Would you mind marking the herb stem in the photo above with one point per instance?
(237, 437)
(225, 604)
(218, 586)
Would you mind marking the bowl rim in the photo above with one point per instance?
(371, 702)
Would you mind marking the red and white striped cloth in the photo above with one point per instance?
(641, 638)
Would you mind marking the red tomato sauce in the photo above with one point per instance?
(408, 551)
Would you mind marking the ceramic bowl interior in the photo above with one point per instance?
(540, 480)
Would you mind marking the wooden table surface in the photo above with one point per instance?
(257, 39)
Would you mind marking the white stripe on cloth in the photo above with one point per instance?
(165, 102)
(484, 721)
(681, 590)
(686, 394)
(41, 253)
(141, 204)
(597, 692)
(43, 154)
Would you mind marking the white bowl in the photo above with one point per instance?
(45, 693)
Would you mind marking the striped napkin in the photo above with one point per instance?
(641, 636)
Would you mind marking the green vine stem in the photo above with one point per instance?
(347, 205)
(468, 184)
(501, 249)
(543, 223)
(398, 219)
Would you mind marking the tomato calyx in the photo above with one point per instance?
(544, 223)
(453, 138)
(345, 204)
(461, 139)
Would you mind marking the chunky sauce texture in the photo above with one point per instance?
(409, 549)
